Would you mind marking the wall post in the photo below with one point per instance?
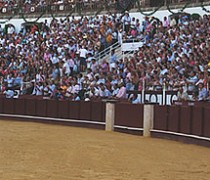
(148, 119)
(110, 116)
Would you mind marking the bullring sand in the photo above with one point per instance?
(36, 151)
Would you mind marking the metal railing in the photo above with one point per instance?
(107, 52)
(120, 54)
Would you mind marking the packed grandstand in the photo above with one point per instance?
(58, 59)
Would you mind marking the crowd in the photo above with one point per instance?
(58, 60)
(58, 52)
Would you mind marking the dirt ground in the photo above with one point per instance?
(33, 151)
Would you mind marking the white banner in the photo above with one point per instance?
(132, 46)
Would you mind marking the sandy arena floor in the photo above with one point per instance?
(32, 151)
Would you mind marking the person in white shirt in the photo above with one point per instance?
(85, 82)
(113, 59)
(9, 93)
(115, 90)
(94, 65)
(10, 81)
(165, 22)
(103, 91)
(173, 22)
(40, 77)
(83, 55)
(120, 36)
(66, 68)
(46, 89)
(39, 89)
(75, 88)
(10, 29)
(191, 81)
(51, 88)
(135, 99)
(69, 90)
(126, 21)
(71, 65)
(54, 59)
(92, 92)
(122, 91)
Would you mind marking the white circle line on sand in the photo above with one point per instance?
(52, 119)
(129, 128)
(181, 134)
(68, 120)
(100, 123)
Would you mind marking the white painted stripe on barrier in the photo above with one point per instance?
(130, 128)
(181, 134)
(52, 119)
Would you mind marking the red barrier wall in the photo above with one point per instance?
(85, 110)
(206, 122)
(161, 117)
(1, 104)
(41, 108)
(197, 120)
(63, 109)
(52, 108)
(185, 119)
(173, 118)
(98, 111)
(187, 122)
(74, 109)
(8, 106)
(130, 115)
(20, 106)
(30, 107)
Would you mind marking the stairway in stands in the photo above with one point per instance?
(106, 53)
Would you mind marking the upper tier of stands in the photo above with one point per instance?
(34, 7)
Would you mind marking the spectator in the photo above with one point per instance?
(113, 59)
(126, 21)
(182, 94)
(103, 91)
(202, 92)
(83, 55)
(165, 22)
(122, 92)
(135, 99)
